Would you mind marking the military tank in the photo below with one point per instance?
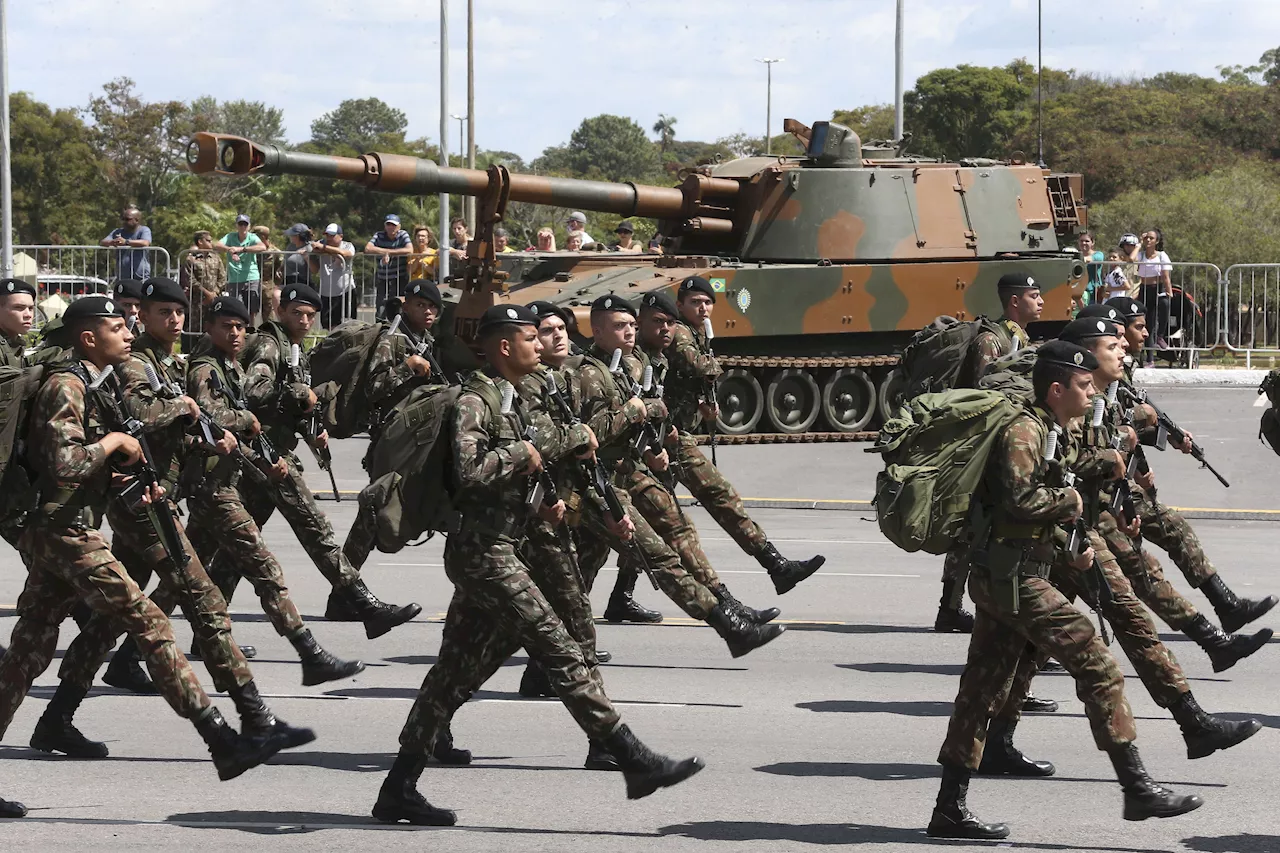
(827, 262)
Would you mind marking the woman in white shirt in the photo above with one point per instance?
(1157, 286)
(1116, 283)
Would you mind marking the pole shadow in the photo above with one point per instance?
(886, 772)
(1245, 842)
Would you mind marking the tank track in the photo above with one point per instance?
(758, 361)
(789, 438)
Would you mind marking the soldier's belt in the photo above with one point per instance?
(61, 516)
(1013, 530)
(488, 523)
(1035, 569)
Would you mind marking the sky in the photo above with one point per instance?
(541, 67)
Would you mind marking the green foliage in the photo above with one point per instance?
(56, 184)
(604, 148)
(359, 125)
(141, 145)
(873, 122)
(967, 111)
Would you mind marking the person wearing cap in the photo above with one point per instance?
(280, 398)
(393, 247)
(298, 263)
(132, 238)
(690, 395)
(497, 606)
(1163, 525)
(576, 223)
(626, 239)
(243, 275)
(1026, 496)
(127, 293)
(1021, 304)
(17, 312)
(203, 275)
(68, 559)
(331, 259)
(615, 414)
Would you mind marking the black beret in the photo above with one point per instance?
(127, 288)
(1066, 354)
(300, 293)
(15, 285)
(1082, 329)
(1016, 281)
(611, 302)
(86, 307)
(543, 309)
(1130, 309)
(1101, 310)
(164, 290)
(698, 284)
(660, 301)
(229, 306)
(496, 316)
(425, 290)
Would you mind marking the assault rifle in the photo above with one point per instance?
(649, 437)
(259, 443)
(600, 478)
(210, 431)
(1167, 428)
(309, 424)
(1077, 544)
(713, 424)
(421, 348)
(159, 513)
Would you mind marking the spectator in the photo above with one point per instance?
(297, 264)
(393, 246)
(243, 278)
(546, 241)
(655, 246)
(460, 239)
(577, 223)
(133, 238)
(1093, 265)
(1155, 284)
(1116, 282)
(271, 268)
(573, 243)
(501, 241)
(425, 261)
(332, 258)
(204, 278)
(626, 238)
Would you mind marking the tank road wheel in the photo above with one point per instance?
(741, 402)
(793, 400)
(890, 397)
(848, 399)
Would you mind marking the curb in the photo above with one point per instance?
(1231, 378)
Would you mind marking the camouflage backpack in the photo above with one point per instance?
(339, 368)
(935, 451)
(942, 356)
(411, 466)
(1011, 375)
(18, 389)
(1269, 428)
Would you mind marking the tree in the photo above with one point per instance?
(966, 111)
(608, 148)
(250, 119)
(141, 143)
(56, 176)
(873, 122)
(359, 125)
(665, 127)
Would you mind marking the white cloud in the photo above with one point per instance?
(542, 68)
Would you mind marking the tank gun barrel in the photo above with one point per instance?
(221, 154)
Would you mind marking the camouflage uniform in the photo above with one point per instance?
(139, 544)
(279, 400)
(204, 276)
(1028, 512)
(389, 379)
(69, 559)
(496, 606)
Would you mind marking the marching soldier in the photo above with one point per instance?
(1021, 304)
(69, 559)
(395, 368)
(497, 607)
(17, 311)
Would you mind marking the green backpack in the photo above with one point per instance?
(942, 356)
(1011, 374)
(18, 389)
(935, 451)
(1269, 428)
(339, 374)
(410, 465)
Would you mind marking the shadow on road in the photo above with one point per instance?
(919, 709)
(1243, 843)
(297, 823)
(880, 772)
(845, 628)
(847, 833)
(901, 668)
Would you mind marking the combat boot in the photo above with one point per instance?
(1036, 705)
(623, 606)
(727, 601)
(260, 725)
(1143, 798)
(233, 753)
(599, 757)
(1234, 612)
(739, 635)
(644, 770)
(784, 573)
(125, 671)
(534, 684)
(1002, 758)
(398, 798)
(951, 816)
(318, 666)
(1224, 650)
(355, 603)
(446, 753)
(195, 653)
(604, 657)
(1204, 733)
(952, 617)
(12, 809)
(56, 733)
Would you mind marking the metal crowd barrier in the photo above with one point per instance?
(1195, 312)
(62, 273)
(1251, 306)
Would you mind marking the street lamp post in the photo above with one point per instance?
(768, 104)
(461, 120)
(443, 268)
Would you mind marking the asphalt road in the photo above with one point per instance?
(826, 737)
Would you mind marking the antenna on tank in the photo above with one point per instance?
(1040, 83)
(897, 74)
